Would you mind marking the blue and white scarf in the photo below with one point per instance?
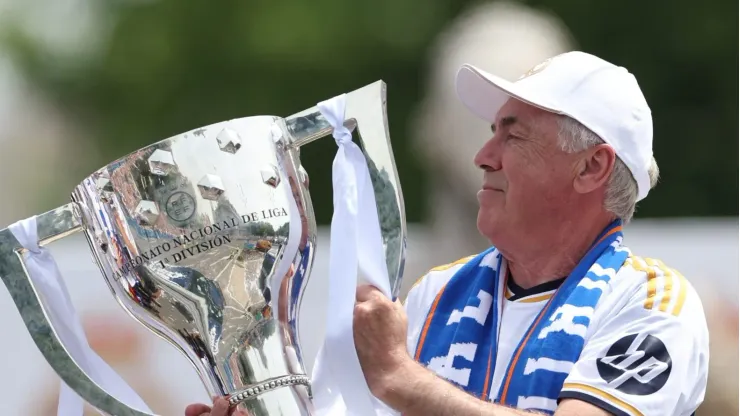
(460, 334)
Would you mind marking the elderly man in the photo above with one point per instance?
(558, 316)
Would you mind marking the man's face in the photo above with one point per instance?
(528, 178)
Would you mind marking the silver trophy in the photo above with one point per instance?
(207, 238)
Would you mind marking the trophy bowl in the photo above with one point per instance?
(207, 239)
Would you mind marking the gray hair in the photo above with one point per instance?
(621, 191)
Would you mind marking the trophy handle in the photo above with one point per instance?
(52, 225)
(366, 110)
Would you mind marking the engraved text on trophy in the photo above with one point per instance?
(200, 240)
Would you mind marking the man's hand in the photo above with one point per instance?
(220, 408)
(380, 339)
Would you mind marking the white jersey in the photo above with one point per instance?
(648, 310)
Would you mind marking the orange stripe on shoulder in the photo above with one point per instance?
(442, 268)
(453, 264)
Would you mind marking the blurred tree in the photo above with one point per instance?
(261, 229)
(168, 66)
(385, 198)
(283, 230)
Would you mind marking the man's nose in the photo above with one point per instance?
(489, 156)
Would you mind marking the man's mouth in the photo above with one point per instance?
(491, 188)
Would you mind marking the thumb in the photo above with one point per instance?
(197, 409)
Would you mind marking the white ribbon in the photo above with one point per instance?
(338, 384)
(48, 282)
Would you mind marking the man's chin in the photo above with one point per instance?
(487, 220)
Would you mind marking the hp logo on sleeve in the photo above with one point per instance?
(637, 364)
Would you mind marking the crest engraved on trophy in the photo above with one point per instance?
(207, 239)
(180, 206)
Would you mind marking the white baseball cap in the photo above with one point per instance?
(602, 96)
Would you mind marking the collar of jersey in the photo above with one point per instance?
(539, 293)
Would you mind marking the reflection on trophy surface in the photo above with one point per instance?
(207, 238)
(194, 229)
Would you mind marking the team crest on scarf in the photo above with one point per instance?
(459, 338)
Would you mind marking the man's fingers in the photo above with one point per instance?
(220, 407)
(197, 409)
(363, 293)
(367, 292)
(240, 412)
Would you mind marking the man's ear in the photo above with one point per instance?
(594, 168)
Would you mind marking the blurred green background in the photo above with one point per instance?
(158, 68)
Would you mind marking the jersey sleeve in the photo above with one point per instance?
(421, 297)
(650, 358)
(417, 308)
